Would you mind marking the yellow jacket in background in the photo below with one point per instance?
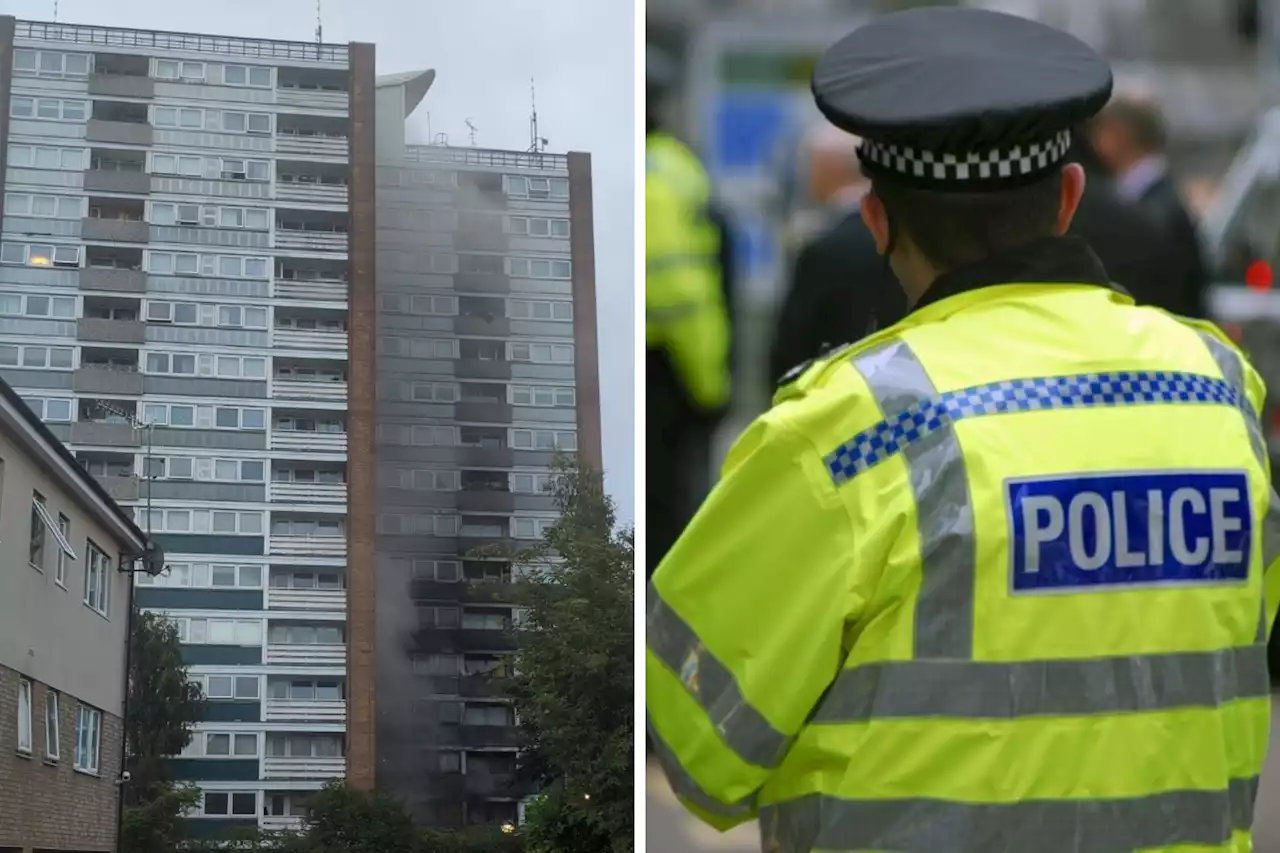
(685, 311)
(990, 580)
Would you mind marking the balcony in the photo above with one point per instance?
(115, 230)
(311, 241)
(121, 488)
(310, 145)
(118, 132)
(483, 412)
(323, 340)
(294, 545)
(311, 290)
(110, 331)
(306, 710)
(93, 380)
(309, 492)
(113, 279)
(281, 767)
(280, 823)
(326, 600)
(107, 434)
(309, 440)
(489, 736)
(313, 192)
(474, 499)
(482, 687)
(121, 85)
(114, 181)
(478, 368)
(294, 389)
(327, 654)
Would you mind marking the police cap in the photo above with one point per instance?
(960, 99)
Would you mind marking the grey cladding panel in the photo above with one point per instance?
(42, 379)
(210, 438)
(194, 491)
(534, 329)
(200, 387)
(551, 417)
(560, 373)
(208, 337)
(135, 183)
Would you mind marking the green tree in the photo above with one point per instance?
(163, 706)
(575, 674)
(343, 819)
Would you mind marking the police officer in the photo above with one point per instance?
(992, 578)
(687, 333)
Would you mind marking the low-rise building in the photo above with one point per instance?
(66, 550)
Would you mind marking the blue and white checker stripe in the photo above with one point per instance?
(1016, 162)
(900, 430)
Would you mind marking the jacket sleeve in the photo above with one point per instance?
(746, 619)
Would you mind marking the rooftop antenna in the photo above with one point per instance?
(319, 25)
(441, 139)
(537, 144)
(471, 132)
(55, 11)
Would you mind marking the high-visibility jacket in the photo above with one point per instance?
(685, 314)
(988, 580)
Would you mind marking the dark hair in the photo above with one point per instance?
(954, 229)
(1142, 119)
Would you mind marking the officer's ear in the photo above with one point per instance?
(1069, 195)
(876, 220)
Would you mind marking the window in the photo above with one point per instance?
(543, 396)
(306, 635)
(229, 804)
(50, 411)
(430, 481)
(55, 307)
(185, 165)
(58, 358)
(322, 526)
(539, 268)
(228, 686)
(206, 576)
(64, 532)
(24, 717)
(185, 118)
(437, 664)
(97, 579)
(531, 484)
(219, 632)
(52, 109)
(435, 392)
(534, 226)
(531, 528)
(52, 735)
(40, 255)
(201, 521)
(196, 314)
(544, 439)
(222, 745)
(46, 157)
(540, 353)
(256, 76)
(43, 206)
(438, 305)
(244, 170)
(172, 69)
(519, 186)
(445, 571)
(439, 617)
(250, 218)
(50, 63)
(236, 122)
(88, 738)
(524, 309)
(35, 551)
(176, 364)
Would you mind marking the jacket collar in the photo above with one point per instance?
(1050, 260)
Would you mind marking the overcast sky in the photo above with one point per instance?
(581, 54)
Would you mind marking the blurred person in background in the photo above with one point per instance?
(1130, 139)
(688, 378)
(840, 289)
(1136, 252)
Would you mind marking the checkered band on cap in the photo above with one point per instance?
(1019, 161)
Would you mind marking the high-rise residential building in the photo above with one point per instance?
(486, 367)
(321, 374)
(174, 277)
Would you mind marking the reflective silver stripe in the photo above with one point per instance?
(678, 260)
(982, 690)
(1117, 825)
(944, 510)
(710, 682)
(1232, 366)
(687, 789)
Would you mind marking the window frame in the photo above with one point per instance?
(97, 580)
(52, 733)
(26, 722)
(88, 740)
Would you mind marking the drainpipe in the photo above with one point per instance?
(124, 748)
